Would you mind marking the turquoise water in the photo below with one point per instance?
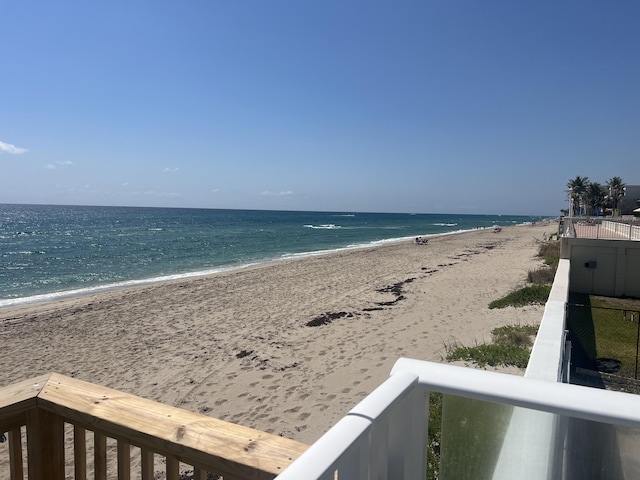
(51, 251)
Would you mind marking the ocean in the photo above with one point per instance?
(49, 252)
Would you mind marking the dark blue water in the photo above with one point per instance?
(48, 251)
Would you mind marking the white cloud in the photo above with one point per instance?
(215, 190)
(11, 149)
(170, 169)
(60, 164)
(277, 194)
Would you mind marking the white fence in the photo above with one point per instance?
(597, 227)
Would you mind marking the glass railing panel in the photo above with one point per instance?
(596, 450)
(473, 433)
(485, 440)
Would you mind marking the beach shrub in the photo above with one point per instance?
(549, 251)
(511, 347)
(542, 276)
(530, 295)
(519, 335)
(492, 354)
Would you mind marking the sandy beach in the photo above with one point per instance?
(286, 347)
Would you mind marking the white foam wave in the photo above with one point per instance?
(445, 224)
(326, 226)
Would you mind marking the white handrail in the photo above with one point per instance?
(382, 437)
(616, 408)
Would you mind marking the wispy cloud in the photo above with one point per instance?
(11, 149)
(61, 164)
(170, 169)
(267, 193)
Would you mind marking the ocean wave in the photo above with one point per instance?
(326, 226)
(445, 224)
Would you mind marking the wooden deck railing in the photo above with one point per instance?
(45, 414)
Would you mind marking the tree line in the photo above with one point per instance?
(593, 198)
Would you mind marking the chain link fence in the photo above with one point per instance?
(604, 339)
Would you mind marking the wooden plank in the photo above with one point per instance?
(19, 397)
(14, 421)
(196, 439)
(45, 445)
(80, 452)
(100, 456)
(124, 460)
(16, 468)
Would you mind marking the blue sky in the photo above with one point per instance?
(460, 106)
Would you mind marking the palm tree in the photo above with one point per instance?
(577, 189)
(595, 197)
(616, 191)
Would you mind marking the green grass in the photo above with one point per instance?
(599, 329)
(492, 354)
(529, 295)
(510, 348)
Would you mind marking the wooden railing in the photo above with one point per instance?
(51, 415)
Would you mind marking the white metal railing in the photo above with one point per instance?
(386, 432)
(384, 436)
(600, 228)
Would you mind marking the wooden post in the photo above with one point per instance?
(100, 456)
(146, 460)
(45, 445)
(16, 469)
(124, 460)
(199, 474)
(173, 468)
(80, 452)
